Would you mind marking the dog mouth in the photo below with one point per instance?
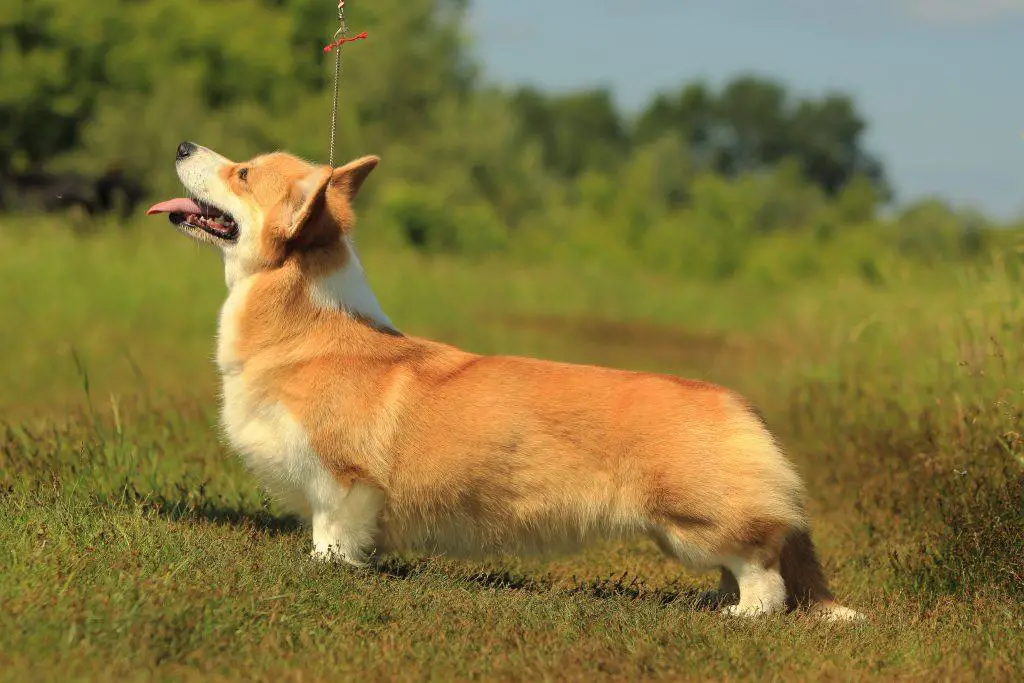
(198, 216)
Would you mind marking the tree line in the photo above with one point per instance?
(108, 88)
(70, 64)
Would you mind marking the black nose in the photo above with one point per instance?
(185, 149)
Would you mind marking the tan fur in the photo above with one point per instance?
(479, 454)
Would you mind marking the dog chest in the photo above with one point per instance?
(272, 444)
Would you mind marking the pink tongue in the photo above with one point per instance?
(180, 205)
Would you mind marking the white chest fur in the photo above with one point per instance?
(274, 445)
(348, 289)
(271, 442)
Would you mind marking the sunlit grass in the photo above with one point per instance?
(133, 545)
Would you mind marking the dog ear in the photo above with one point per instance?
(315, 191)
(309, 196)
(350, 177)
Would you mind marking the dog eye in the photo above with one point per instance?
(243, 174)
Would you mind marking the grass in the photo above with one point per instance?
(133, 546)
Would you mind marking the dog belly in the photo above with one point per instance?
(555, 525)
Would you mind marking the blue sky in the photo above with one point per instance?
(941, 82)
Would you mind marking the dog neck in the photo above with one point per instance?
(346, 289)
(341, 287)
(276, 309)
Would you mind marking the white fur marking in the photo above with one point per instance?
(345, 526)
(276, 448)
(348, 289)
(227, 332)
(762, 591)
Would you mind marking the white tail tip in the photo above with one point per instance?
(838, 614)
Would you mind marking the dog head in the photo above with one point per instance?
(260, 212)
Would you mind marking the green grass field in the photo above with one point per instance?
(134, 546)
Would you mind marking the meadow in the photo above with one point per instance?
(134, 546)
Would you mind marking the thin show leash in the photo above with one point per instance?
(341, 36)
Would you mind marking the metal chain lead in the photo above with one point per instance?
(340, 33)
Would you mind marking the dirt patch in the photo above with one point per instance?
(659, 345)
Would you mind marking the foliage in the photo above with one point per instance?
(121, 83)
(753, 123)
(702, 182)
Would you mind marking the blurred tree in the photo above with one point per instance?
(576, 131)
(752, 126)
(711, 182)
(858, 201)
(753, 123)
(932, 231)
(691, 114)
(243, 66)
(826, 138)
(48, 86)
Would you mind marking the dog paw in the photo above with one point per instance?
(330, 554)
(351, 558)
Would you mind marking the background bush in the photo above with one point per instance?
(747, 181)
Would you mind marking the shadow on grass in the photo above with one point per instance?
(193, 503)
(612, 587)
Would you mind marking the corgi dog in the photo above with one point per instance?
(383, 441)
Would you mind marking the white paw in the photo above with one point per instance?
(335, 554)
